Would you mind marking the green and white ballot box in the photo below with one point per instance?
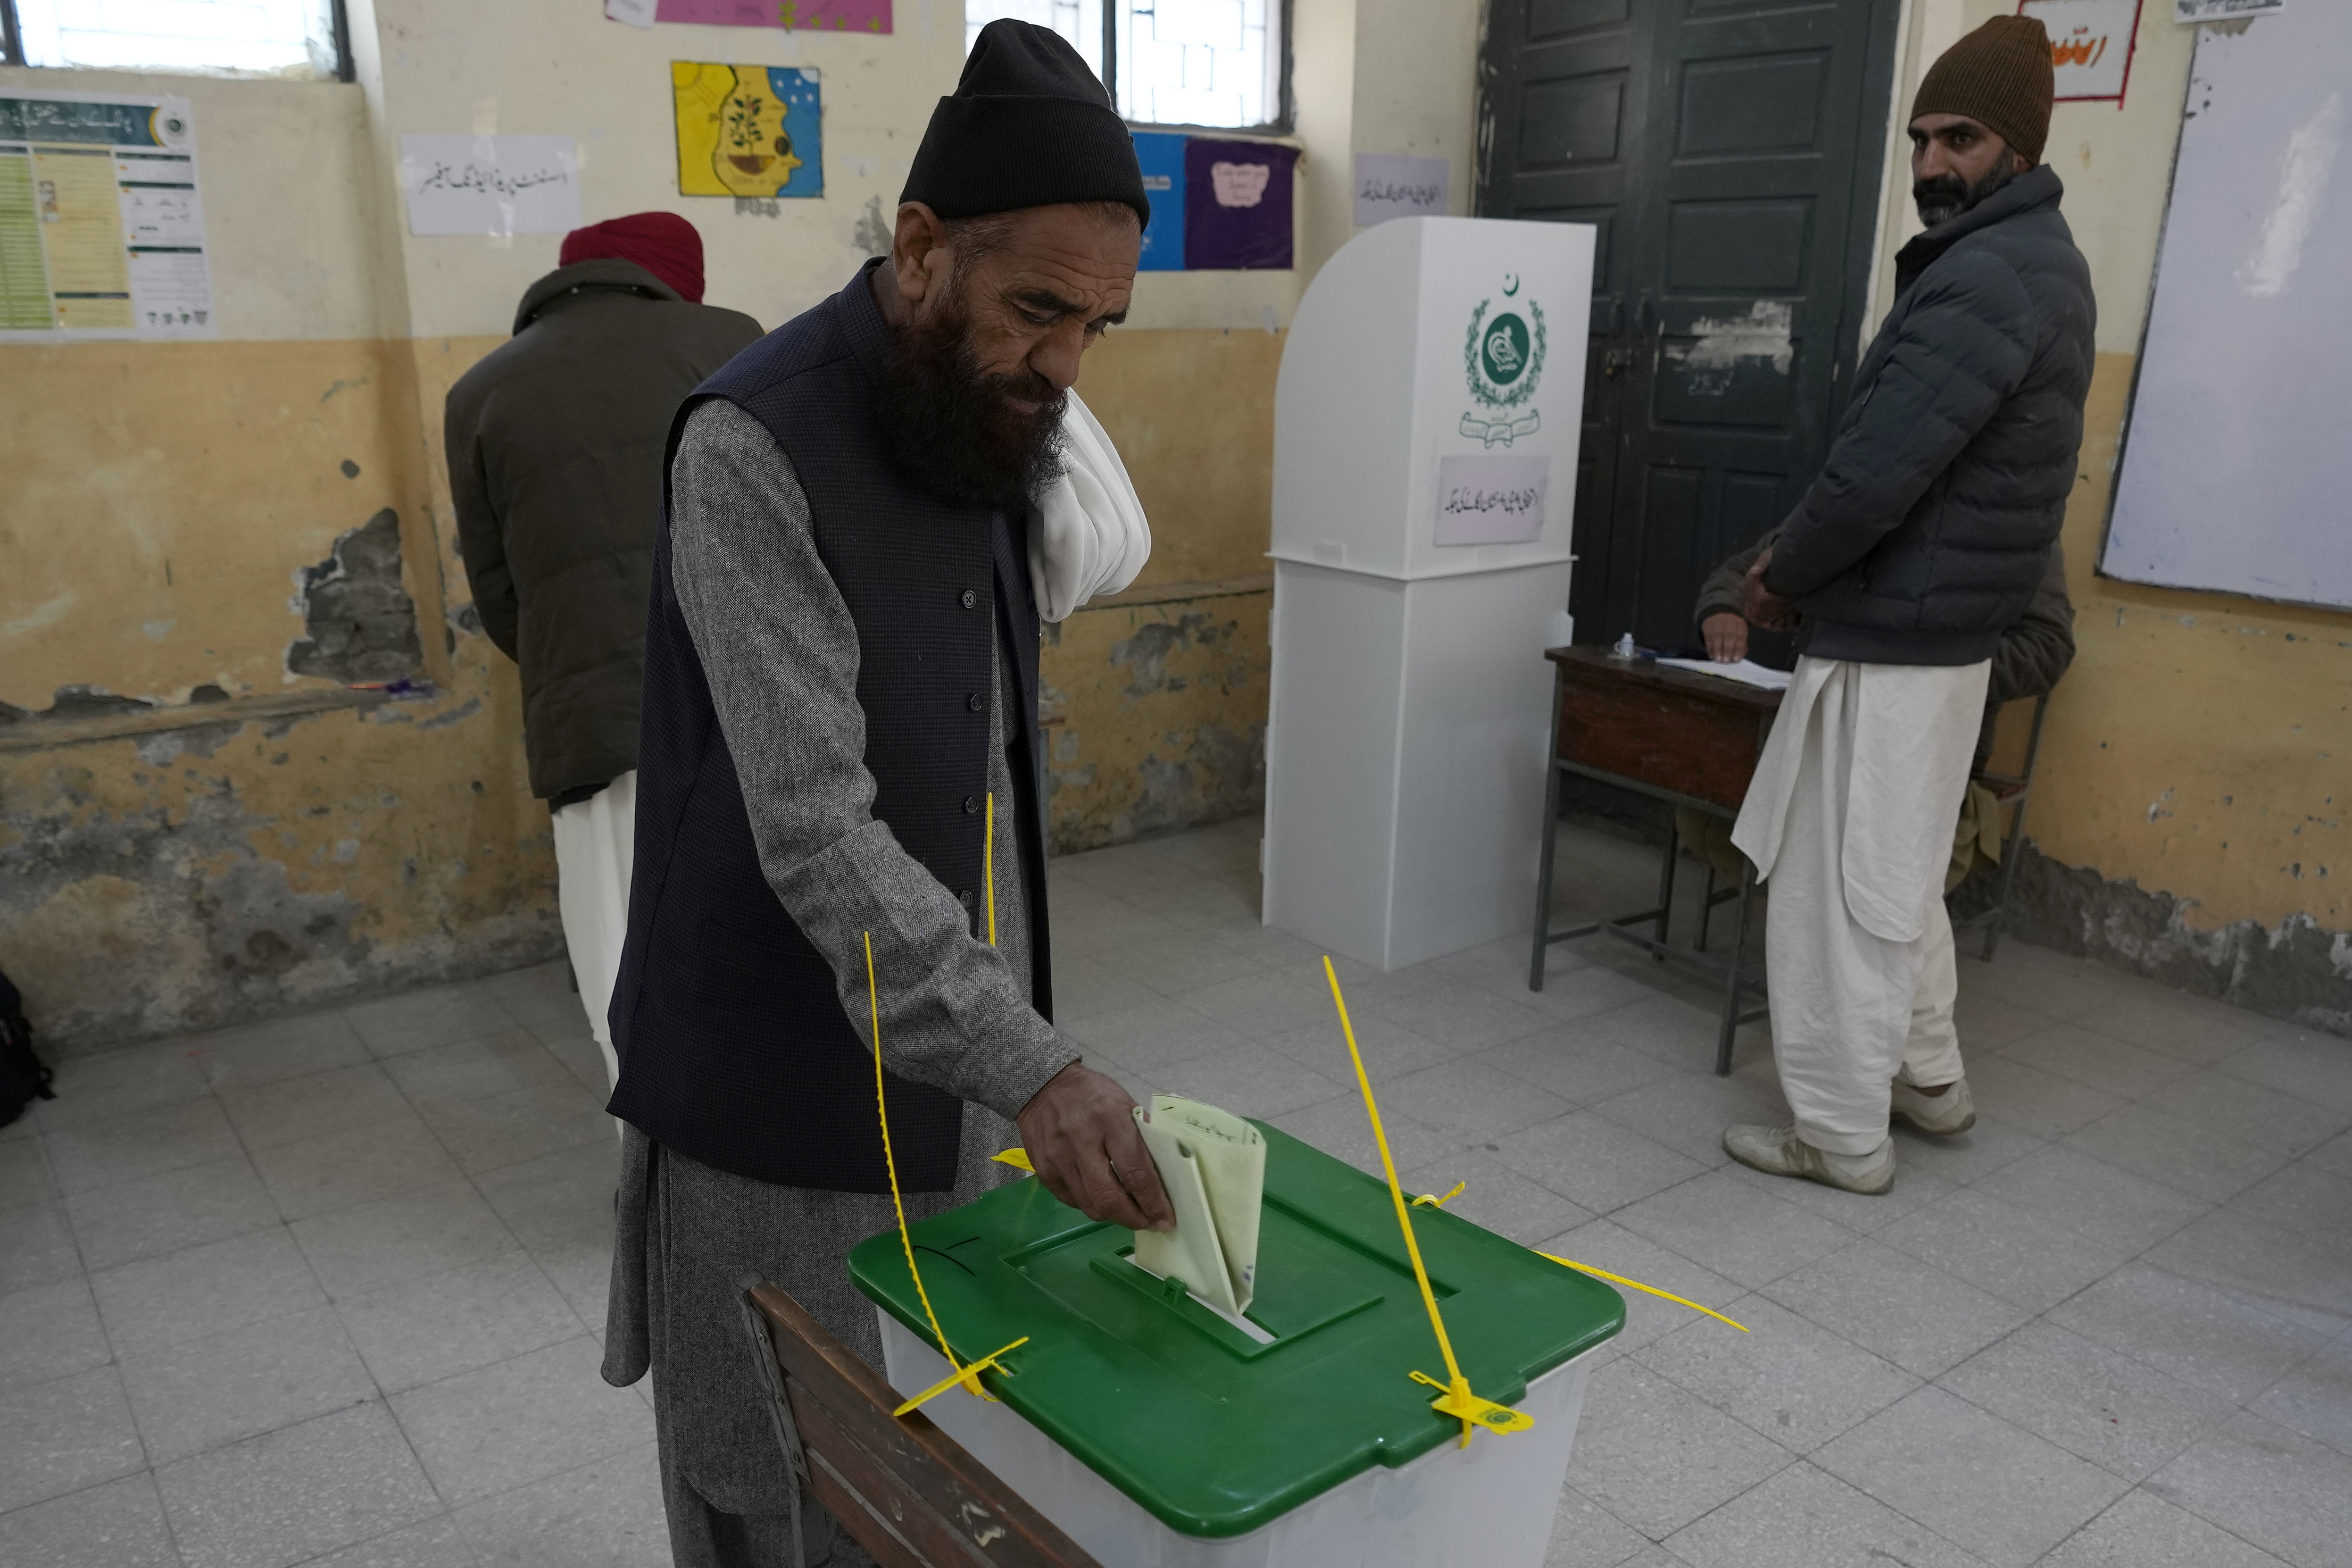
(1161, 1433)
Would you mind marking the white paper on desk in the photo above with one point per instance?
(1748, 673)
(1213, 1165)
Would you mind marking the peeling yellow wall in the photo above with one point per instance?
(157, 502)
(1192, 414)
(2201, 744)
(162, 495)
(1160, 696)
(159, 499)
(1163, 716)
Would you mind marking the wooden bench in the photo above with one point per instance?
(906, 1491)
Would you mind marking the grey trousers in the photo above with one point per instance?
(686, 1234)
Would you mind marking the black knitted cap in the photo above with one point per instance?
(1028, 126)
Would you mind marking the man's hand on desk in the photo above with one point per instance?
(1760, 605)
(1725, 635)
(1080, 1133)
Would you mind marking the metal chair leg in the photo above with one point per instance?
(1706, 907)
(1732, 976)
(1550, 842)
(1666, 884)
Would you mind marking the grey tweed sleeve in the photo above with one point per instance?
(779, 650)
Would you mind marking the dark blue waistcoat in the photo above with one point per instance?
(734, 1047)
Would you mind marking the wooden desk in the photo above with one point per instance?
(1683, 739)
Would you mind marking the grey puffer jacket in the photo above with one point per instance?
(1931, 524)
(2033, 651)
(555, 443)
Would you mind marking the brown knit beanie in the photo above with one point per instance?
(2000, 76)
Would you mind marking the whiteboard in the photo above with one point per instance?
(2237, 456)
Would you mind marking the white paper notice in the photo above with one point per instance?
(1497, 500)
(635, 12)
(497, 185)
(2222, 10)
(1389, 187)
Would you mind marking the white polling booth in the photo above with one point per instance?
(1425, 473)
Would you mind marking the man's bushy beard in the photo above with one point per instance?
(1946, 196)
(954, 425)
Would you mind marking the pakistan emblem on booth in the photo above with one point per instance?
(1503, 358)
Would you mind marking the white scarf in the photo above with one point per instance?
(1092, 538)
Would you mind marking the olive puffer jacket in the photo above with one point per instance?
(555, 442)
(1932, 519)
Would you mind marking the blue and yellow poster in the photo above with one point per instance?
(748, 131)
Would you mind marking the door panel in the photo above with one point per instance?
(1726, 151)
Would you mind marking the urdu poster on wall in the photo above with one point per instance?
(2089, 46)
(101, 224)
(751, 131)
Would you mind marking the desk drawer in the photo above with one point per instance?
(1667, 740)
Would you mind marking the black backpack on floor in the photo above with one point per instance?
(23, 1078)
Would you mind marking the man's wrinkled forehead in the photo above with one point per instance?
(1067, 263)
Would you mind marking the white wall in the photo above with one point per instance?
(558, 67)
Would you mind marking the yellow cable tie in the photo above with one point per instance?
(1426, 1201)
(1636, 1284)
(952, 1378)
(988, 864)
(1016, 1156)
(1465, 1405)
(1457, 1401)
(968, 1376)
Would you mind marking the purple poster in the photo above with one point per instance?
(806, 15)
(1237, 203)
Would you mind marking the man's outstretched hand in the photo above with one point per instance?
(1760, 605)
(1080, 1133)
(1725, 635)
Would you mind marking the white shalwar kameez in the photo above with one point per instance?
(1849, 817)
(596, 845)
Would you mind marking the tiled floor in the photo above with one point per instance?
(328, 1289)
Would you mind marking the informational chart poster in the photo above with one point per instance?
(101, 223)
(2089, 46)
(494, 185)
(748, 131)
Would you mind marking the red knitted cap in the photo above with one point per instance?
(662, 243)
(2001, 77)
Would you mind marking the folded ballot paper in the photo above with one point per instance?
(1213, 1165)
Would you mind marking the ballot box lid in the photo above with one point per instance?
(1211, 1431)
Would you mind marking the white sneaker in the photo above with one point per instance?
(1778, 1151)
(1953, 1110)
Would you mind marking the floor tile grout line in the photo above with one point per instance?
(2204, 1429)
(1808, 1462)
(1636, 1352)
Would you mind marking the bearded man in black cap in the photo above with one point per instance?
(840, 697)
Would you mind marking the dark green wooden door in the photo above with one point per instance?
(1727, 151)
